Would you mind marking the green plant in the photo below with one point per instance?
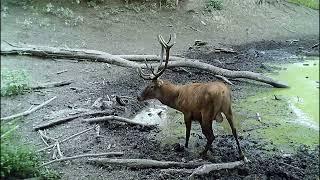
(13, 82)
(214, 4)
(314, 4)
(19, 160)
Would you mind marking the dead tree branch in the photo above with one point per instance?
(145, 163)
(28, 111)
(99, 56)
(69, 118)
(66, 139)
(41, 136)
(113, 118)
(84, 156)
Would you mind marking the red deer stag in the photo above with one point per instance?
(203, 102)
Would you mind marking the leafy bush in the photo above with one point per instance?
(19, 160)
(13, 82)
(214, 4)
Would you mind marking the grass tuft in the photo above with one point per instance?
(214, 5)
(314, 4)
(13, 82)
(19, 160)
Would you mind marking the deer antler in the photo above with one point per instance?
(155, 73)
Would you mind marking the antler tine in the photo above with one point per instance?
(164, 45)
(144, 75)
(150, 68)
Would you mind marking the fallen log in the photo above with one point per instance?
(113, 118)
(69, 118)
(145, 163)
(99, 56)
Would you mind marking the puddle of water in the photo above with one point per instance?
(297, 113)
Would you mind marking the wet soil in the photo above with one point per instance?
(94, 80)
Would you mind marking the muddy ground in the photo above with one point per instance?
(94, 80)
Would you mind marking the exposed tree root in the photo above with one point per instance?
(93, 55)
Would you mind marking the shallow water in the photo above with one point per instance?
(288, 122)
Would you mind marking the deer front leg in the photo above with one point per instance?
(187, 122)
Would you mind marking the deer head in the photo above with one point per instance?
(153, 89)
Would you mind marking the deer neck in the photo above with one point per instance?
(169, 94)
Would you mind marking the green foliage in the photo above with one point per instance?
(314, 4)
(214, 5)
(19, 160)
(13, 82)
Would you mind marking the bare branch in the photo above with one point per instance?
(66, 139)
(28, 111)
(51, 84)
(69, 118)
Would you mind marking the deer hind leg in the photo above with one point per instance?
(229, 117)
(206, 126)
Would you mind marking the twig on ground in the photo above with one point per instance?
(315, 45)
(83, 156)
(46, 136)
(9, 131)
(292, 41)
(66, 139)
(225, 50)
(185, 171)
(59, 150)
(60, 72)
(41, 136)
(98, 136)
(54, 154)
(69, 118)
(51, 84)
(115, 118)
(25, 113)
(120, 101)
(96, 103)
